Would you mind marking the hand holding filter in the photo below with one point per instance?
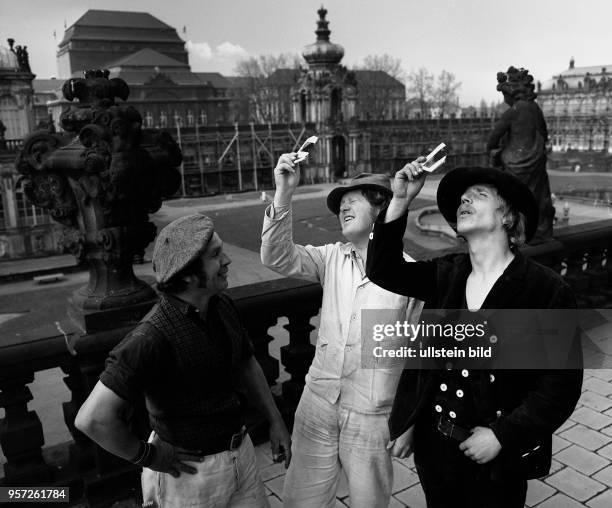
(435, 159)
(304, 150)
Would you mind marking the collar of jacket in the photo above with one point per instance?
(501, 294)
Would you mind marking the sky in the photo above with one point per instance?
(473, 39)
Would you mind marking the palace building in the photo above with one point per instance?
(577, 104)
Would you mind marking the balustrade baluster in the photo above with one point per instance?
(258, 332)
(297, 356)
(597, 276)
(21, 434)
(576, 277)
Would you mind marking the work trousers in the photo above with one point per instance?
(328, 438)
(225, 479)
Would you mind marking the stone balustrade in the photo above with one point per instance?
(582, 254)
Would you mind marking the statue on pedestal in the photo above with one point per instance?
(102, 180)
(517, 143)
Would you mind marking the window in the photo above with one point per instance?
(27, 213)
(11, 117)
(163, 119)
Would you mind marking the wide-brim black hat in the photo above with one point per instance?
(371, 181)
(515, 192)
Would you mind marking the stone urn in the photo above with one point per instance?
(101, 179)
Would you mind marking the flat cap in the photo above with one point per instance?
(179, 243)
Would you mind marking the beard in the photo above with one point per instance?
(201, 280)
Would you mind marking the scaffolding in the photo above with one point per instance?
(241, 157)
(235, 158)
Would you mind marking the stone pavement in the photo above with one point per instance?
(581, 473)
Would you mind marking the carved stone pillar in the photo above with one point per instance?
(102, 180)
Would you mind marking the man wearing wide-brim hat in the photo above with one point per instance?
(478, 435)
(342, 419)
(188, 359)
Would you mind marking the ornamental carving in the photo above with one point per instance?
(102, 177)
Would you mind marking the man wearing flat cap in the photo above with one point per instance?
(478, 434)
(187, 357)
(341, 420)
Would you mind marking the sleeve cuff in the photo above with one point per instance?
(395, 226)
(277, 212)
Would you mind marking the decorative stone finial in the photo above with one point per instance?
(322, 31)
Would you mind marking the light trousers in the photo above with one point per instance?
(327, 438)
(226, 479)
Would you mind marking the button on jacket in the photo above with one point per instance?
(336, 371)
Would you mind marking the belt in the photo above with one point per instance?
(448, 428)
(224, 444)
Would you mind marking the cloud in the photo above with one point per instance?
(200, 49)
(229, 50)
(224, 51)
(221, 58)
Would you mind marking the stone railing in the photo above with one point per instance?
(89, 471)
(582, 254)
(11, 145)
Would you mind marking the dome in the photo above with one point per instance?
(8, 59)
(323, 52)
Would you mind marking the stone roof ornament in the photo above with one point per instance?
(23, 59)
(322, 30)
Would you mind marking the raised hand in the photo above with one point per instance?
(286, 178)
(409, 180)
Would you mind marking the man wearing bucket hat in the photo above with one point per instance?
(187, 357)
(341, 420)
(478, 435)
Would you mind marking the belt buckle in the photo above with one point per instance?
(236, 440)
(443, 427)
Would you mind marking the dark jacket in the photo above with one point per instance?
(534, 402)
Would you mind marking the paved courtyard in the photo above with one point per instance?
(581, 473)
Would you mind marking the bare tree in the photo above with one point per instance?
(446, 96)
(380, 81)
(255, 72)
(385, 63)
(421, 87)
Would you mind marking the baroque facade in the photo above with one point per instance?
(151, 57)
(24, 228)
(577, 104)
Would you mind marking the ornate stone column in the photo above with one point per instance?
(102, 179)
